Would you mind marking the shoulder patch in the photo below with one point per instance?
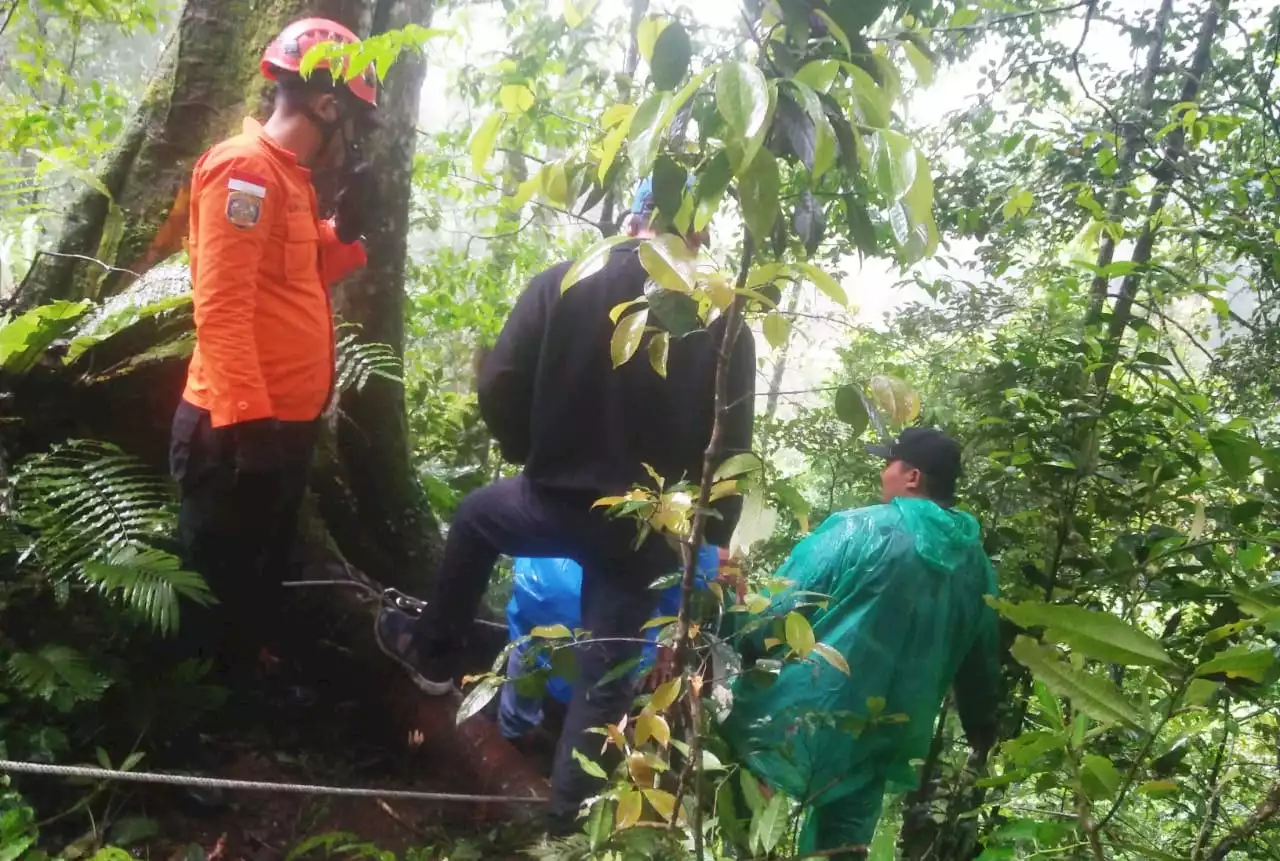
(247, 183)
(243, 208)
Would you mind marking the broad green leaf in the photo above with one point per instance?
(920, 62)
(722, 489)
(824, 282)
(627, 336)
(895, 399)
(918, 204)
(739, 464)
(836, 31)
(670, 61)
(1096, 635)
(758, 195)
(484, 140)
(710, 188)
(770, 825)
(1050, 708)
(668, 187)
(589, 766)
(818, 74)
(659, 349)
(477, 698)
(1100, 777)
(776, 329)
(1019, 203)
(832, 657)
(665, 695)
(742, 97)
(647, 34)
(616, 114)
(551, 632)
(964, 17)
(1197, 523)
(726, 810)
(515, 99)
(824, 137)
(599, 825)
(621, 308)
(851, 409)
(657, 622)
(652, 726)
(686, 92)
(799, 634)
(1158, 787)
(524, 193)
(645, 134)
(617, 120)
(1233, 450)
(591, 261)
(630, 806)
(669, 262)
(871, 104)
(793, 499)
(751, 792)
(23, 340)
(662, 801)
(1239, 662)
(894, 164)
(1089, 694)
(554, 183)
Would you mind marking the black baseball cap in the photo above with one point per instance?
(930, 451)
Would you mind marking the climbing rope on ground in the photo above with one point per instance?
(39, 768)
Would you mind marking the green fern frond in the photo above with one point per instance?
(86, 500)
(58, 674)
(360, 362)
(149, 582)
(95, 513)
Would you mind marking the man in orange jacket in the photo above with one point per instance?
(262, 372)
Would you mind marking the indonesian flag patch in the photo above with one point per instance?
(245, 193)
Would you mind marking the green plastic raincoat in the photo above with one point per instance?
(905, 583)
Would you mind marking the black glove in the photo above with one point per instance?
(256, 445)
(355, 202)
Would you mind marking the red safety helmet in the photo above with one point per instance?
(287, 50)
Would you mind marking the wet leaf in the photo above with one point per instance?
(659, 346)
(627, 336)
(484, 140)
(515, 99)
(591, 261)
(670, 60)
(477, 698)
(832, 656)
(630, 806)
(799, 634)
(776, 329)
(742, 97)
(758, 195)
(665, 695)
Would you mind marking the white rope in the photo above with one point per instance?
(18, 767)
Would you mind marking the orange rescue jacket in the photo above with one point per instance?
(261, 264)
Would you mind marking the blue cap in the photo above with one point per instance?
(643, 200)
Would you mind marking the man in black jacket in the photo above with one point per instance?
(583, 430)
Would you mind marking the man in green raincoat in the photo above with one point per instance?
(904, 583)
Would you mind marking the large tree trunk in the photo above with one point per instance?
(206, 83)
(392, 531)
